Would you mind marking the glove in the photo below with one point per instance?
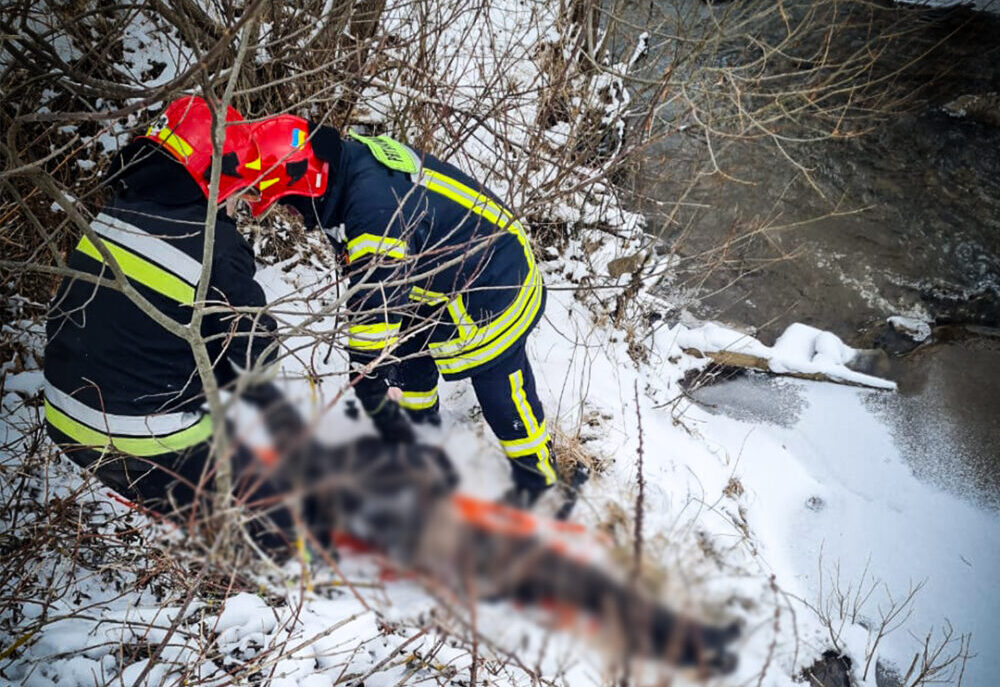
(391, 424)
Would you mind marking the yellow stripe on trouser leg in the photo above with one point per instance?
(419, 400)
(487, 350)
(475, 345)
(135, 446)
(537, 441)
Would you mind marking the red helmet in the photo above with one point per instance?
(184, 129)
(288, 166)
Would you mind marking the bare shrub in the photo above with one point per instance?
(841, 603)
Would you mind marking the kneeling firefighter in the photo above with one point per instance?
(443, 281)
(123, 397)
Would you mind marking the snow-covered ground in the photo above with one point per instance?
(808, 495)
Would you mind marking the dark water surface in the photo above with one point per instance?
(902, 220)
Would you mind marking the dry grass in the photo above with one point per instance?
(572, 453)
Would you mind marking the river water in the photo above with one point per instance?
(902, 220)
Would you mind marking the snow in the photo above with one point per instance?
(56, 207)
(29, 382)
(872, 513)
(916, 329)
(244, 614)
(147, 47)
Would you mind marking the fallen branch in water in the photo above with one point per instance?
(801, 351)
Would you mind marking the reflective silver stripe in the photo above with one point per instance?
(419, 400)
(521, 447)
(149, 247)
(376, 245)
(417, 161)
(120, 425)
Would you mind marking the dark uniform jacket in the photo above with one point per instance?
(428, 247)
(116, 377)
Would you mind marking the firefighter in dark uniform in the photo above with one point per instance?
(443, 281)
(123, 396)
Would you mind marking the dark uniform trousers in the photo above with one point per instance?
(505, 391)
(179, 485)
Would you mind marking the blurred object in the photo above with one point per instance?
(375, 394)
(521, 497)
(399, 500)
(506, 553)
(391, 424)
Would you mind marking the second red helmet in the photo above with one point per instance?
(288, 164)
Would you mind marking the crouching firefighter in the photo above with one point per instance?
(123, 397)
(443, 282)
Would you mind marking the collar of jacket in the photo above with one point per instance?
(328, 146)
(143, 170)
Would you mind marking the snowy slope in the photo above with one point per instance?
(826, 489)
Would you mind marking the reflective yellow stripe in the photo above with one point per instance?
(142, 271)
(369, 337)
(466, 327)
(492, 340)
(171, 140)
(479, 203)
(517, 448)
(419, 400)
(135, 446)
(371, 244)
(361, 345)
(456, 308)
(466, 360)
(428, 297)
(538, 437)
(532, 284)
(482, 336)
(545, 464)
(521, 402)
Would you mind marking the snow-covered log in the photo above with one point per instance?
(801, 351)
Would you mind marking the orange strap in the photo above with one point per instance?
(495, 517)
